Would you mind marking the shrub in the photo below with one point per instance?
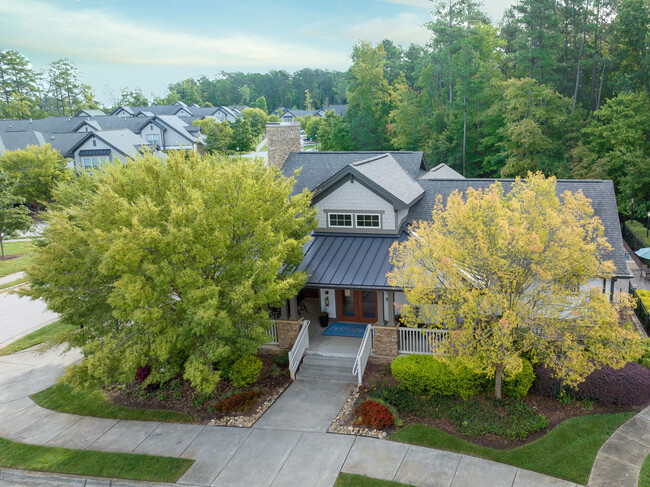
(142, 373)
(398, 397)
(374, 415)
(645, 358)
(245, 371)
(397, 421)
(281, 359)
(628, 386)
(426, 374)
(238, 402)
(519, 384)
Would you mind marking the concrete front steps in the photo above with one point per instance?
(317, 367)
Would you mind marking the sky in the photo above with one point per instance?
(148, 44)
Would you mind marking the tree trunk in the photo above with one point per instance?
(2, 246)
(600, 88)
(464, 129)
(582, 48)
(497, 381)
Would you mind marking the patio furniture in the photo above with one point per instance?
(645, 272)
(274, 313)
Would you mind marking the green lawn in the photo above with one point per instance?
(568, 451)
(16, 265)
(13, 283)
(45, 334)
(353, 480)
(91, 463)
(63, 398)
(644, 478)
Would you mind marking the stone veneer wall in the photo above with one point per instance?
(287, 333)
(386, 341)
(282, 138)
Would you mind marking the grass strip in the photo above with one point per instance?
(12, 266)
(567, 451)
(13, 283)
(644, 478)
(42, 335)
(354, 480)
(63, 398)
(91, 463)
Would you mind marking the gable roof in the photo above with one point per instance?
(90, 112)
(301, 113)
(337, 109)
(382, 174)
(442, 171)
(317, 167)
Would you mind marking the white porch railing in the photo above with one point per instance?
(420, 340)
(362, 355)
(298, 349)
(273, 333)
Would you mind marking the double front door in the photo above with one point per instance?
(357, 306)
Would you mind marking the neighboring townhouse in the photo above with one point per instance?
(290, 115)
(84, 150)
(366, 202)
(164, 132)
(90, 112)
(181, 110)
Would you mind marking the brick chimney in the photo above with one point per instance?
(282, 138)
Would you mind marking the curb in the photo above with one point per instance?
(26, 477)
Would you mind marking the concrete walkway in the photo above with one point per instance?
(621, 457)
(286, 448)
(11, 278)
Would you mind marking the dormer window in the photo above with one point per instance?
(367, 221)
(340, 220)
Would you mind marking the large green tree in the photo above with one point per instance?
(172, 264)
(509, 272)
(14, 216)
(37, 170)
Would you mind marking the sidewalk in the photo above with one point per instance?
(275, 452)
(11, 278)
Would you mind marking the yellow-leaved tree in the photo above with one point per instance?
(509, 272)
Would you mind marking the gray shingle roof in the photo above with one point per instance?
(601, 194)
(385, 172)
(442, 171)
(11, 141)
(90, 112)
(317, 167)
(338, 109)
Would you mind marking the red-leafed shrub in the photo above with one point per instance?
(628, 386)
(373, 414)
(238, 402)
(142, 373)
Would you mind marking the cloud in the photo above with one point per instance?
(403, 29)
(101, 36)
(428, 4)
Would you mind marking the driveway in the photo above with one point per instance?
(20, 316)
(286, 449)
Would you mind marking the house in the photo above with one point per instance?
(89, 112)
(337, 109)
(290, 115)
(366, 202)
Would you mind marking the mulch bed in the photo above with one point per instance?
(11, 257)
(185, 398)
(548, 407)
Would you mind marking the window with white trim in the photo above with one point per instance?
(367, 220)
(90, 162)
(153, 139)
(340, 220)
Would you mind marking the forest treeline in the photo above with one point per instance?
(559, 86)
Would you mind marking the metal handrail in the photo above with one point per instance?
(297, 351)
(362, 355)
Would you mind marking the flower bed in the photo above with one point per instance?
(482, 420)
(227, 406)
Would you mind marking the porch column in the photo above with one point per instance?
(380, 308)
(293, 309)
(391, 308)
(284, 310)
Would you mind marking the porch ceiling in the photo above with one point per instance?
(349, 261)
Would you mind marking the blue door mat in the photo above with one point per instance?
(345, 330)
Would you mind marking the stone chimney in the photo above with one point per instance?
(282, 138)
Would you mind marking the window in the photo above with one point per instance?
(153, 139)
(367, 221)
(340, 219)
(90, 162)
